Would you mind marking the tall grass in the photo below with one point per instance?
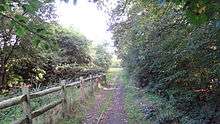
(77, 109)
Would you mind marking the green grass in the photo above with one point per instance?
(131, 106)
(133, 97)
(10, 114)
(163, 109)
(107, 103)
(77, 108)
(79, 113)
(112, 72)
(82, 108)
(13, 113)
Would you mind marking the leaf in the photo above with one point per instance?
(32, 6)
(46, 46)
(20, 31)
(178, 2)
(2, 8)
(36, 42)
(4, 5)
(21, 18)
(196, 19)
(39, 30)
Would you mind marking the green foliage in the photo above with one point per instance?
(20, 23)
(132, 108)
(10, 114)
(37, 51)
(196, 11)
(31, 57)
(172, 57)
(115, 62)
(32, 6)
(102, 57)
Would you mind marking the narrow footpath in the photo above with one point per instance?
(116, 114)
(109, 106)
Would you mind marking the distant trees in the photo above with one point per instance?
(102, 57)
(115, 62)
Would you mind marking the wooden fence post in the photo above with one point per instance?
(82, 91)
(91, 84)
(98, 81)
(26, 104)
(64, 99)
(105, 80)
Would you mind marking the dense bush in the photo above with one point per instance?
(172, 57)
(102, 58)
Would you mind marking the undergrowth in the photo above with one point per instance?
(131, 104)
(78, 115)
(143, 107)
(111, 74)
(78, 108)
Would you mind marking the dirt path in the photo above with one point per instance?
(93, 114)
(114, 112)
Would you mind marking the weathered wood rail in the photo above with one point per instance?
(25, 99)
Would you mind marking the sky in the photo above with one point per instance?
(85, 17)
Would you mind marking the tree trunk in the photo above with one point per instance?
(2, 75)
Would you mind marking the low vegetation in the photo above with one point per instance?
(132, 107)
(78, 109)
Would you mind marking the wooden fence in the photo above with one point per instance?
(25, 99)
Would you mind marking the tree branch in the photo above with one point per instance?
(12, 50)
(26, 27)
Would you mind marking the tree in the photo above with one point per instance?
(20, 22)
(169, 55)
(34, 47)
(102, 57)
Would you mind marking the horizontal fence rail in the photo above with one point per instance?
(11, 102)
(45, 92)
(45, 108)
(26, 97)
